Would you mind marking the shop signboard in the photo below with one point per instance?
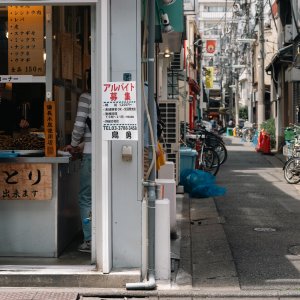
(50, 128)
(20, 181)
(26, 40)
(119, 112)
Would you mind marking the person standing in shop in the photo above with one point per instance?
(81, 142)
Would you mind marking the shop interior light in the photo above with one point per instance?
(167, 53)
(7, 34)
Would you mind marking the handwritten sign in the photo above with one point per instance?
(50, 128)
(26, 40)
(25, 181)
(119, 115)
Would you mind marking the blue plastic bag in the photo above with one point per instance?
(191, 178)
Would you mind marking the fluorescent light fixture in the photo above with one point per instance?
(238, 66)
(246, 40)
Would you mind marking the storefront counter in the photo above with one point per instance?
(33, 225)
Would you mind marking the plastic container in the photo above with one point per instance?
(289, 134)
(187, 158)
(229, 131)
(8, 154)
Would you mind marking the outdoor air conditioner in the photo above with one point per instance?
(170, 116)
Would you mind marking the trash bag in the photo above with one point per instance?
(200, 184)
(209, 190)
(192, 178)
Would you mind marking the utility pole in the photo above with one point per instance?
(237, 96)
(261, 67)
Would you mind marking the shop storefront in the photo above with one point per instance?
(46, 48)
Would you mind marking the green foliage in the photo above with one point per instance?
(269, 127)
(243, 113)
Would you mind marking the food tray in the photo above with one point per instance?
(15, 153)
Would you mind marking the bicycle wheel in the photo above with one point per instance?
(220, 149)
(210, 161)
(292, 170)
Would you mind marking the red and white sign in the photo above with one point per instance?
(210, 46)
(119, 115)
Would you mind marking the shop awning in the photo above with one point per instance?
(283, 55)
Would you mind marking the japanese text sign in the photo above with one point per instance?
(50, 128)
(26, 40)
(119, 114)
(25, 181)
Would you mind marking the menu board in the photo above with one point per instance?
(26, 40)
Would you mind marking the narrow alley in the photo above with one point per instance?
(246, 242)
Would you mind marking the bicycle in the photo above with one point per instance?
(292, 166)
(207, 158)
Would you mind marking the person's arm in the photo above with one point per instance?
(80, 121)
(79, 126)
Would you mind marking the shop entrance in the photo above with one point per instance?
(54, 69)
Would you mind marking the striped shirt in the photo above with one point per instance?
(81, 132)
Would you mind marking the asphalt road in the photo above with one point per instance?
(262, 223)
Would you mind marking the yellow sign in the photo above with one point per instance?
(209, 77)
(25, 181)
(50, 128)
(26, 40)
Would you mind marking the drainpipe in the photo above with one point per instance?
(150, 185)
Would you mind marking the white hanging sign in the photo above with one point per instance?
(119, 113)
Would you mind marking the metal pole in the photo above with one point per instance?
(237, 100)
(261, 68)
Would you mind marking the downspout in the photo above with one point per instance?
(151, 186)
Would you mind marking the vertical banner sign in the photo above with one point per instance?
(211, 46)
(119, 115)
(26, 40)
(25, 181)
(50, 128)
(209, 77)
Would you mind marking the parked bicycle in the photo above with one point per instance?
(207, 157)
(292, 151)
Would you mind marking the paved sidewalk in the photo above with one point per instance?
(203, 264)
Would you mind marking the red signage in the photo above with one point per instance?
(211, 46)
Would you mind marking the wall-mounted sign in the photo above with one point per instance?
(211, 46)
(50, 128)
(119, 115)
(25, 181)
(209, 77)
(26, 40)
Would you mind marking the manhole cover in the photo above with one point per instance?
(295, 250)
(264, 229)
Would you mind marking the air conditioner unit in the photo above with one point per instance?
(288, 33)
(170, 116)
